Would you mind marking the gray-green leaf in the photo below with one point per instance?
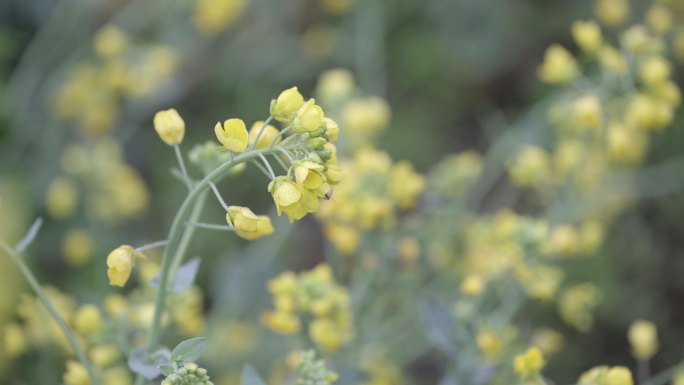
(189, 350)
(251, 377)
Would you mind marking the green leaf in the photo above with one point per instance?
(251, 377)
(189, 350)
(166, 369)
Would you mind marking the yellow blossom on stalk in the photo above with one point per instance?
(659, 19)
(366, 117)
(281, 322)
(109, 41)
(14, 340)
(612, 13)
(613, 60)
(326, 334)
(587, 35)
(232, 135)
(87, 319)
(213, 16)
(587, 111)
(292, 199)
(405, 184)
(345, 238)
(655, 71)
(61, 198)
(577, 304)
(335, 85)
(309, 174)
(559, 66)
(530, 167)
(643, 337)
(120, 263)
(247, 224)
(472, 285)
(563, 241)
(626, 145)
(490, 345)
(104, 355)
(169, 126)
(76, 374)
(268, 135)
(548, 341)
(119, 375)
(286, 104)
(605, 375)
(308, 117)
(529, 363)
(78, 247)
(332, 130)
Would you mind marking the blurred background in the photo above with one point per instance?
(81, 80)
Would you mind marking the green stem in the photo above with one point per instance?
(180, 234)
(181, 163)
(33, 282)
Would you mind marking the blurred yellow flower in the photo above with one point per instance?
(529, 364)
(643, 337)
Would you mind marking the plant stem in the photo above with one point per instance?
(33, 282)
(261, 131)
(152, 245)
(181, 163)
(210, 226)
(180, 234)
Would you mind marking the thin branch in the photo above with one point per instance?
(209, 226)
(29, 237)
(218, 196)
(184, 171)
(261, 132)
(152, 245)
(268, 165)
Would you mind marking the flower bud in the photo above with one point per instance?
(643, 337)
(308, 117)
(286, 104)
(169, 126)
(268, 135)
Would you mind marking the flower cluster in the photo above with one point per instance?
(311, 371)
(313, 169)
(188, 374)
(375, 190)
(92, 94)
(311, 295)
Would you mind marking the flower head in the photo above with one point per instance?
(529, 363)
(309, 117)
(120, 263)
(286, 104)
(232, 134)
(169, 126)
(247, 224)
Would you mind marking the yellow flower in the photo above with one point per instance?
(120, 263)
(326, 334)
(530, 167)
(115, 305)
(309, 117)
(308, 174)
(61, 198)
(292, 199)
(529, 364)
(559, 66)
(472, 285)
(655, 71)
(333, 174)
(587, 35)
(78, 247)
(281, 322)
(248, 225)
(612, 13)
(233, 135)
(267, 137)
(284, 284)
(659, 19)
(286, 104)
(619, 375)
(331, 129)
(109, 41)
(548, 341)
(405, 185)
(87, 319)
(119, 375)
(490, 345)
(643, 337)
(76, 374)
(213, 16)
(104, 355)
(587, 111)
(345, 238)
(613, 60)
(15, 343)
(169, 126)
(335, 85)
